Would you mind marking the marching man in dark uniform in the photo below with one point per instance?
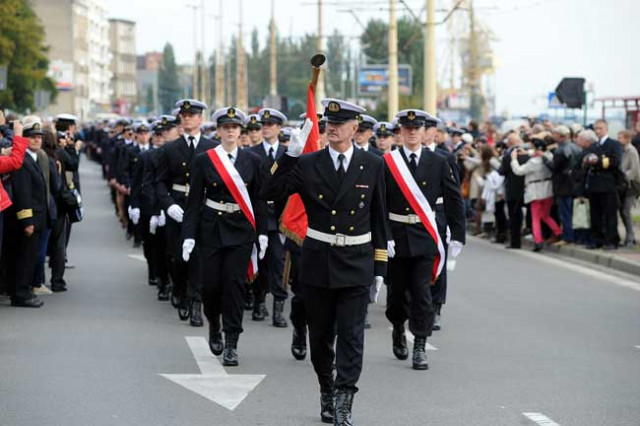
(225, 217)
(172, 185)
(416, 179)
(270, 278)
(343, 192)
(364, 134)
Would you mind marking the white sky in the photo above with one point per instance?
(538, 41)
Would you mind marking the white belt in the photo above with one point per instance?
(410, 219)
(180, 188)
(228, 207)
(339, 240)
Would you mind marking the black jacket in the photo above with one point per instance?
(436, 180)
(143, 190)
(275, 206)
(30, 195)
(216, 229)
(603, 176)
(513, 184)
(354, 207)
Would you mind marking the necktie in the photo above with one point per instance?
(270, 155)
(231, 158)
(413, 165)
(192, 146)
(341, 171)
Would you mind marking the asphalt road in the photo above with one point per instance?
(521, 334)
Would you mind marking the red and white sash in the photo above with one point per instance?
(418, 203)
(238, 190)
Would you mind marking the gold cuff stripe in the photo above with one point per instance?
(274, 168)
(24, 214)
(380, 255)
(605, 162)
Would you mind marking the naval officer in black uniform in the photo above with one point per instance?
(412, 249)
(172, 185)
(215, 222)
(343, 192)
(364, 134)
(270, 278)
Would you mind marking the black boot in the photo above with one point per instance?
(257, 314)
(153, 281)
(183, 308)
(344, 402)
(196, 314)
(299, 343)
(400, 349)
(437, 322)
(248, 298)
(327, 407)
(419, 354)
(230, 353)
(278, 319)
(164, 291)
(215, 336)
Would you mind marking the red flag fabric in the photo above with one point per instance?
(293, 222)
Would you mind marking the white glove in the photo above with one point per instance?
(162, 219)
(263, 242)
(153, 224)
(134, 215)
(374, 290)
(391, 249)
(187, 248)
(129, 212)
(175, 212)
(299, 139)
(456, 248)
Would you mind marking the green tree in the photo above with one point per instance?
(149, 99)
(168, 83)
(23, 52)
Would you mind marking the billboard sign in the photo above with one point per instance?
(374, 80)
(62, 73)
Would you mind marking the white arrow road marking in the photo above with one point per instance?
(540, 419)
(410, 339)
(139, 257)
(214, 383)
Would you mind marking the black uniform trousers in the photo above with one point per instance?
(409, 280)
(341, 310)
(27, 252)
(298, 315)
(270, 279)
(604, 218)
(149, 246)
(224, 271)
(162, 260)
(185, 275)
(439, 288)
(57, 250)
(515, 222)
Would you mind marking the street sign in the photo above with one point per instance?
(213, 382)
(553, 102)
(374, 79)
(3, 77)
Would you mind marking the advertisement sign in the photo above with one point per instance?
(62, 73)
(374, 79)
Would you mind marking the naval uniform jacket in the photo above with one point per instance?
(354, 207)
(216, 229)
(30, 195)
(274, 207)
(143, 191)
(436, 180)
(602, 177)
(174, 168)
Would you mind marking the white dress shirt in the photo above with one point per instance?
(267, 146)
(195, 141)
(364, 147)
(603, 140)
(347, 158)
(408, 153)
(33, 155)
(234, 155)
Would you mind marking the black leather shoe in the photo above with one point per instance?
(59, 288)
(299, 344)
(278, 319)
(437, 324)
(196, 314)
(175, 299)
(342, 413)
(537, 247)
(215, 337)
(419, 354)
(153, 281)
(230, 352)
(400, 349)
(367, 324)
(34, 302)
(183, 309)
(264, 310)
(257, 314)
(327, 407)
(164, 291)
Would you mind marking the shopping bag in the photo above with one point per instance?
(581, 214)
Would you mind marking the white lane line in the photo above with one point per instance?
(540, 419)
(139, 257)
(637, 346)
(578, 268)
(411, 337)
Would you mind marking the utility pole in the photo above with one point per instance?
(392, 109)
(430, 59)
(241, 69)
(220, 63)
(320, 93)
(194, 90)
(203, 57)
(474, 83)
(273, 77)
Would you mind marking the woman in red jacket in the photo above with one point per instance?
(9, 164)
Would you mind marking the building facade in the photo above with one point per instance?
(147, 81)
(122, 37)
